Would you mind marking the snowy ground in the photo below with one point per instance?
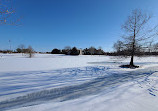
(77, 83)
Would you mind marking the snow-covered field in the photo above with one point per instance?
(77, 83)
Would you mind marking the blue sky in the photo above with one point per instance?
(48, 24)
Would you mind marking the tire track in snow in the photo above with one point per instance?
(95, 86)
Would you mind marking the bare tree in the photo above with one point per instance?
(155, 47)
(30, 51)
(136, 31)
(100, 47)
(66, 50)
(149, 46)
(92, 50)
(22, 47)
(118, 46)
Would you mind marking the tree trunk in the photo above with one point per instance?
(133, 46)
(131, 62)
(132, 53)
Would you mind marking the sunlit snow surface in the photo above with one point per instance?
(77, 83)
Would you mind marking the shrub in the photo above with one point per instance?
(74, 51)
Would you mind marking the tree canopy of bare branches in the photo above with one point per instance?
(136, 31)
(7, 13)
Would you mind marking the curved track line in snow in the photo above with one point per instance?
(107, 83)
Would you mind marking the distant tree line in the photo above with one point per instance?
(93, 51)
(75, 51)
(121, 49)
(7, 51)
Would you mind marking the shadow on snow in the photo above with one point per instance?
(106, 82)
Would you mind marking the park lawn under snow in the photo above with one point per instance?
(77, 83)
